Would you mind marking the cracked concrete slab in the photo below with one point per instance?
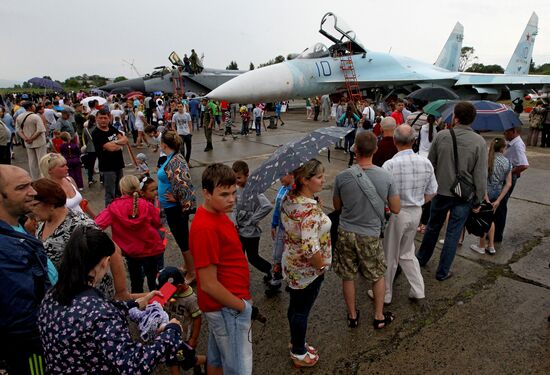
(502, 330)
(535, 265)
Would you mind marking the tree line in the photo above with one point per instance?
(468, 63)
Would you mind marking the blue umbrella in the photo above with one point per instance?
(290, 156)
(490, 116)
(45, 83)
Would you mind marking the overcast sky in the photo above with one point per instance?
(63, 38)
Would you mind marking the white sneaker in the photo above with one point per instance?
(491, 250)
(442, 241)
(477, 249)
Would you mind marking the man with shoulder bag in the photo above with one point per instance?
(361, 193)
(30, 128)
(459, 158)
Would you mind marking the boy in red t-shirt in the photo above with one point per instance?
(222, 275)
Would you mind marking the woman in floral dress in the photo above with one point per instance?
(82, 331)
(306, 256)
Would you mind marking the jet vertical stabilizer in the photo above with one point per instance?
(450, 54)
(521, 59)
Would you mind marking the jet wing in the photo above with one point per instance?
(509, 81)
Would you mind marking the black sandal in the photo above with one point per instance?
(353, 323)
(388, 318)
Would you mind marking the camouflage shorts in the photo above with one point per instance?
(355, 252)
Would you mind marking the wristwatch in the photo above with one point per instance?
(322, 269)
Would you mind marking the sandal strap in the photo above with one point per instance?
(388, 318)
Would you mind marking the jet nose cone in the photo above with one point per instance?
(270, 83)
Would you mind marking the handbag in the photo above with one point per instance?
(479, 223)
(461, 188)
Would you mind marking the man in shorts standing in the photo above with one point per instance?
(223, 284)
(358, 248)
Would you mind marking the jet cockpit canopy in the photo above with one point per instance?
(343, 37)
(318, 50)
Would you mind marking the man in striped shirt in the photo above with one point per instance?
(415, 181)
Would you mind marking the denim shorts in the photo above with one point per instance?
(229, 340)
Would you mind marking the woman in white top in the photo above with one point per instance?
(54, 167)
(140, 124)
(427, 135)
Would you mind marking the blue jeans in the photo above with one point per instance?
(502, 212)
(195, 121)
(258, 125)
(460, 211)
(229, 346)
(301, 302)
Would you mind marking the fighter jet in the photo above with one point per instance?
(318, 70)
(162, 79)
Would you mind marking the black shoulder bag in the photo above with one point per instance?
(461, 188)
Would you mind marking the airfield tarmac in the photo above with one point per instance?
(491, 317)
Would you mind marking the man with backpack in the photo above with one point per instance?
(30, 128)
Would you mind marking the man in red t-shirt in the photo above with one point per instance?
(222, 275)
(398, 113)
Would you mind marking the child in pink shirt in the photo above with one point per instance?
(135, 226)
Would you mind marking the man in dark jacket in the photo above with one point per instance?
(23, 276)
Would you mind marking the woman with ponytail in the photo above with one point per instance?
(499, 181)
(84, 332)
(135, 223)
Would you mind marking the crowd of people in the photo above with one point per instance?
(65, 302)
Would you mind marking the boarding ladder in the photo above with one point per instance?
(350, 78)
(177, 82)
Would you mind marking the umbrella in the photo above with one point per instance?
(437, 107)
(290, 156)
(99, 99)
(98, 91)
(133, 95)
(479, 223)
(490, 116)
(65, 107)
(430, 94)
(45, 83)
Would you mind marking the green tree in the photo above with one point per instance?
(251, 66)
(120, 78)
(72, 82)
(539, 69)
(467, 57)
(232, 66)
(26, 85)
(276, 60)
(481, 68)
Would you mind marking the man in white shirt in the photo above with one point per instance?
(51, 116)
(515, 152)
(368, 114)
(181, 121)
(257, 114)
(117, 112)
(414, 178)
